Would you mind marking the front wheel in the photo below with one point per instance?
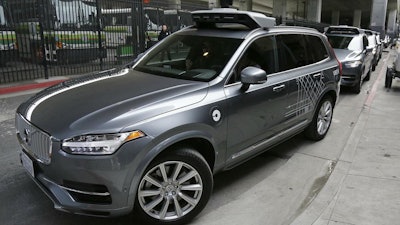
(368, 77)
(388, 78)
(357, 87)
(174, 188)
(322, 120)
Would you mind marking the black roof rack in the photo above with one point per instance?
(252, 20)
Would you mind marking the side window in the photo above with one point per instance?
(365, 42)
(316, 49)
(259, 54)
(292, 51)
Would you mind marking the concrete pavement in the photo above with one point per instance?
(364, 188)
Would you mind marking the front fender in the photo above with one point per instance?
(163, 142)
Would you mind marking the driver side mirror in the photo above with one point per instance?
(252, 75)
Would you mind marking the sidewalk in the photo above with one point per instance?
(364, 188)
(30, 85)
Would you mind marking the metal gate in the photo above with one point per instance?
(43, 38)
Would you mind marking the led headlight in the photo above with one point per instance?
(353, 64)
(98, 144)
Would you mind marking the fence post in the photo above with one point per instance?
(42, 26)
(138, 30)
(99, 29)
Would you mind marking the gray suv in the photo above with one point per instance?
(351, 48)
(150, 137)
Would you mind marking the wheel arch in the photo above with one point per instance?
(332, 94)
(195, 139)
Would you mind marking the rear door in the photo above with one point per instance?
(301, 58)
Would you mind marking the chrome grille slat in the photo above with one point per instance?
(36, 142)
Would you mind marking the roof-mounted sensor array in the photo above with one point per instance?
(252, 20)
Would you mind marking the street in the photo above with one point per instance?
(276, 187)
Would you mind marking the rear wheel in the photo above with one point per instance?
(174, 188)
(322, 120)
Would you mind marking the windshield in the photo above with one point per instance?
(346, 42)
(189, 57)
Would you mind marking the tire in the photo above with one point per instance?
(357, 88)
(368, 77)
(174, 188)
(322, 120)
(388, 78)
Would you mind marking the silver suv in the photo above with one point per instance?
(352, 48)
(149, 138)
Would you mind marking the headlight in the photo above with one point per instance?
(353, 64)
(98, 144)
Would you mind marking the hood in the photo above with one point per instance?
(107, 103)
(344, 55)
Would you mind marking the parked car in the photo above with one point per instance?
(149, 138)
(386, 41)
(375, 48)
(379, 44)
(351, 48)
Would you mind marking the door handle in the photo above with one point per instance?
(317, 75)
(278, 88)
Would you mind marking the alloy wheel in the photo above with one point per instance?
(170, 190)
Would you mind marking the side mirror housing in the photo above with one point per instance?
(252, 75)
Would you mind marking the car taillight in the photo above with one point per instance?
(340, 67)
(340, 64)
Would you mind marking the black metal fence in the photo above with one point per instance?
(43, 38)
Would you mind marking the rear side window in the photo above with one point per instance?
(316, 49)
(365, 42)
(297, 50)
(291, 51)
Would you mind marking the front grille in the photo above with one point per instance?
(36, 142)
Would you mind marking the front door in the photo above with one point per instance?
(256, 114)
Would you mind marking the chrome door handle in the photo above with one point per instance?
(317, 75)
(279, 88)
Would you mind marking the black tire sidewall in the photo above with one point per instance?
(388, 78)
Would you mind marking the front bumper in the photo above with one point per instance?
(350, 76)
(89, 185)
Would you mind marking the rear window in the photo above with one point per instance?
(346, 42)
(316, 48)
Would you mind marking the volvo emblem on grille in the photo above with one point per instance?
(28, 136)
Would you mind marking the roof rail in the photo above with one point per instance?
(252, 20)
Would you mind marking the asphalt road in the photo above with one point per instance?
(273, 188)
